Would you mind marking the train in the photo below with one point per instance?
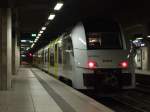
(91, 55)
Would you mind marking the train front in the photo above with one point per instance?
(101, 57)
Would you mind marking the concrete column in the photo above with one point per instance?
(15, 54)
(5, 48)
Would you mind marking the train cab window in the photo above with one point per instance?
(102, 34)
(104, 40)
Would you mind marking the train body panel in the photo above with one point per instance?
(88, 59)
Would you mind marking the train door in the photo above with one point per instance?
(56, 61)
(68, 59)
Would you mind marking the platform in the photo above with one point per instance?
(35, 91)
(142, 72)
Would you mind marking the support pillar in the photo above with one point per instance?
(5, 48)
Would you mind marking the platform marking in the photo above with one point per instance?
(58, 99)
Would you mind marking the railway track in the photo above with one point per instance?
(128, 101)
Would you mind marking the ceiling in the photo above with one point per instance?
(31, 15)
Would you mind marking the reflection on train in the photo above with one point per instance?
(92, 54)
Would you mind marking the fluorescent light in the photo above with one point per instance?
(139, 38)
(28, 48)
(142, 45)
(43, 28)
(33, 35)
(58, 6)
(23, 55)
(31, 41)
(51, 17)
(148, 36)
(23, 40)
(41, 32)
(32, 45)
(37, 37)
(36, 40)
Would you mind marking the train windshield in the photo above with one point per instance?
(104, 40)
(103, 34)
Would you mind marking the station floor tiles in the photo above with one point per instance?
(29, 95)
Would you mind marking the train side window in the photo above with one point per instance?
(59, 55)
(51, 57)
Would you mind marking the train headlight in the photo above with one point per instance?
(124, 64)
(92, 64)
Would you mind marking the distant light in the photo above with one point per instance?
(148, 36)
(135, 41)
(58, 6)
(140, 38)
(23, 55)
(43, 28)
(51, 17)
(35, 40)
(33, 35)
(31, 41)
(37, 37)
(32, 45)
(23, 40)
(30, 54)
(27, 48)
(41, 32)
(142, 45)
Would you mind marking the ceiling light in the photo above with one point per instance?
(36, 40)
(139, 38)
(148, 36)
(37, 37)
(41, 31)
(33, 35)
(51, 17)
(28, 48)
(31, 41)
(23, 40)
(32, 45)
(39, 34)
(58, 6)
(43, 28)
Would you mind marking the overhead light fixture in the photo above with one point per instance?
(33, 35)
(41, 32)
(148, 36)
(140, 38)
(31, 41)
(51, 17)
(43, 28)
(27, 48)
(35, 40)
(142, 45)
(23, 40)
(37, 37)
(32, 45)
(58, 6)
